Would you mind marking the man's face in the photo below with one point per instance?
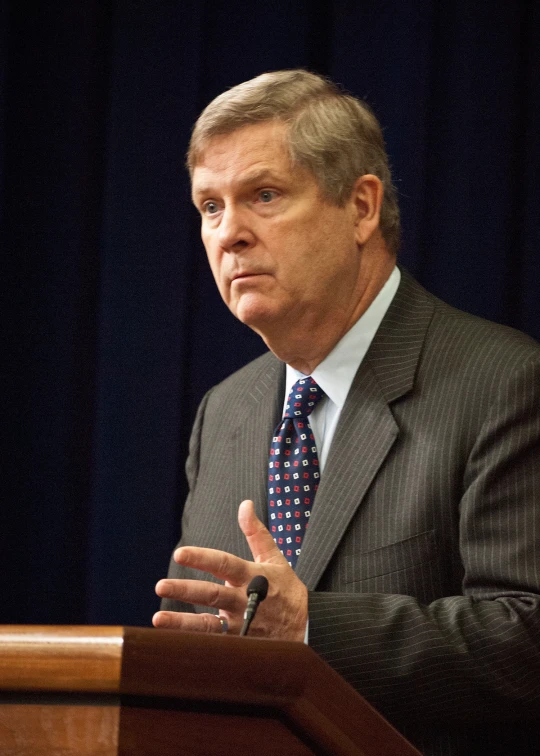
(281, 255)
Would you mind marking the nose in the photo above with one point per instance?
(235, 233)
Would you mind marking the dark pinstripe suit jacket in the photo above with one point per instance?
(423, 552)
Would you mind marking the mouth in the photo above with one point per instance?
(244, 275)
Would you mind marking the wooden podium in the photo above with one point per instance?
(108, 691)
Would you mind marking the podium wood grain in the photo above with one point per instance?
(104, 691)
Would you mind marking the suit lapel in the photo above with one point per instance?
(252, 436)
(364, 436)
(367, 429)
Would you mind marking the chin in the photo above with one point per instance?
(255, 312)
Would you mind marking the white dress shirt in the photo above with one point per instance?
(336, 372)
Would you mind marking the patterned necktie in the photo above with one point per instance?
(293, 476)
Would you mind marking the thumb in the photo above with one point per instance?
(261, 543)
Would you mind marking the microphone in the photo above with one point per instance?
(256, 592)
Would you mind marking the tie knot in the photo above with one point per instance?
(303, 398)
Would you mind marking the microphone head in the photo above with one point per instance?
(258, 585)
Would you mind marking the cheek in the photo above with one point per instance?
(215, 259)
(212, 255)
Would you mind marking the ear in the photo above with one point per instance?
(367, 197)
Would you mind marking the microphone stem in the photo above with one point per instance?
(245, 626)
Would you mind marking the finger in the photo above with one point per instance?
(220, 564)
(201, 592)
(262, 545)
(191, 623)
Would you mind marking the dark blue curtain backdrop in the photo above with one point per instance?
(113, 328)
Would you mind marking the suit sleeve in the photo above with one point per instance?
(476, 655)
(192, 470)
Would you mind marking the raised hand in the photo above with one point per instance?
(282, 615)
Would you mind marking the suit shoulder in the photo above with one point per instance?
(450, 325)
(264, 368)
(467, 338)
(427, 341)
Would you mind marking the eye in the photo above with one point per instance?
(267, 195)
(210, 207)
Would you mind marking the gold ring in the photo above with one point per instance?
(224, 624)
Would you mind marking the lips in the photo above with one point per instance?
(246, 274)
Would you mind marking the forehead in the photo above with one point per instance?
(250, 151)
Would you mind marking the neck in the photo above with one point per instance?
(318, 333)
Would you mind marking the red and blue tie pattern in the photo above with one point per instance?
(293, 476)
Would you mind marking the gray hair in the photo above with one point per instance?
(334, 135)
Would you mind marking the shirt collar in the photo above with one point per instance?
(336, 372)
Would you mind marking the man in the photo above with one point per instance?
(418, 577)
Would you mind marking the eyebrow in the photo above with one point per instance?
(250, 178)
